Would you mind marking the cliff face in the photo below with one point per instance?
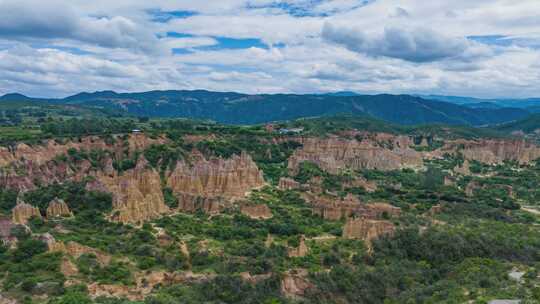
(334, 208)
(23, 175)
(191, 203)
(137, 194)
(41, 153)
(366, 229)
(519, 151)
(22, 212)
(294, 284)
(495, 151)
(23, 165)
(58, 208)
(335, 154)
(213, 179)
(208, 185)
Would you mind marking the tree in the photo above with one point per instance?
(28, 248)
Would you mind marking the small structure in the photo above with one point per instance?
(291, 131)
(136, 131)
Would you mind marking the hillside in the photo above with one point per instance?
(530, 104)
(528, 125)
(236, 108)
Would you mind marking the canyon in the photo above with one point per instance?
(335, 154)
(212, 184)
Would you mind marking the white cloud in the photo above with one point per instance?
(24, 20)
(188, 42)
(55, 48)
(418, 45)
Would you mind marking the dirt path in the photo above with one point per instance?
(531, 210)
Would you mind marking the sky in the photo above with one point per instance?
(480, 48)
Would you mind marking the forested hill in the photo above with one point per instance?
(236, 108)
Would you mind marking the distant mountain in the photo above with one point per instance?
(15, 97)
(483, 105)
(528, 125)
(342, 93)
(531, 104)
(236, 108)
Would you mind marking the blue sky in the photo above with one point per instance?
(482, 48)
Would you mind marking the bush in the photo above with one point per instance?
(27, 249)
(8, 200)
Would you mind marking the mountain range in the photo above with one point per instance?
(237, 108)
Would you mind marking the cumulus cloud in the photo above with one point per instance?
(57, 20)
(419, 45)
(56, 48)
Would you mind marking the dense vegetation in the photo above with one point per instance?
(463, 253)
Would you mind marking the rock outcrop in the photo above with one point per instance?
(137, 193)
(67, 268)
(258, 212)
(294, 284)
(360, 182)
(6, 225)
(24, 175)
(286, 183)
(335, 208)
(254, 279)
(269, 241)
(138, 196)
(75, 249)
(434, 210)
(301, 251)
(229, 178)
(464, 169)
(335, 154)
(192, 203)
(163, 238)
(366, 229)
(495, 151)
(449, 181)
(22, 212)
(58, 208)
(471, 187)
(145, 282)
(205, 184)
(185, 250)
(24, 166)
